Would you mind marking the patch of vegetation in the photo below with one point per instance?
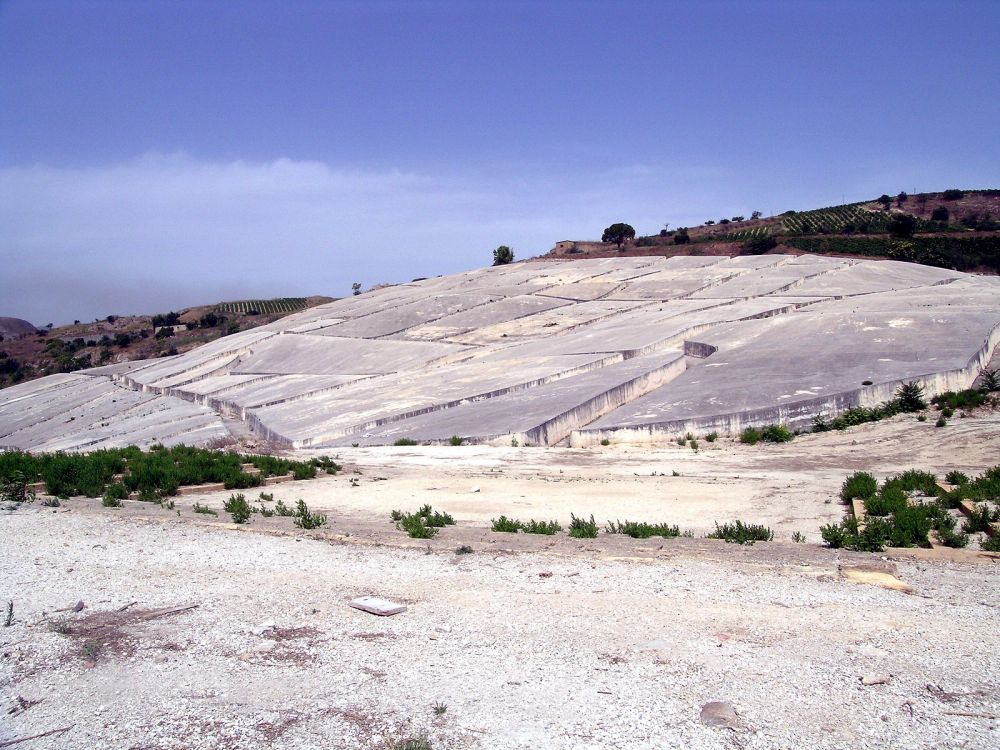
(14, 489)
(464, 549)
(957, 252)
(968, 399)
(798, 537)
(712, 436)
(423, 524)
(404, 441)
(306, 520)
(204, 510)
(280, 509)
(580, 528)
(547, 528)
(859, 484)
(909, 397)
(238, 507)
(456, 440)
(956, 477)
(772, 433)
(642, 530)
(739, 532)
(506, 525)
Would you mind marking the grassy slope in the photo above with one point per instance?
(37, 356)
(855, 229)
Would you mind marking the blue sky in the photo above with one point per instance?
(155, 155)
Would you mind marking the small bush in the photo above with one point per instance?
(693, 445)
(541, 527)
(506, 525)
(956, 477)
(992, 544)
(980, 519)
(798, 537)
(642, 530)
(455, 440)
(605, 441)
(712, 437)
(914, 480)
(238, 507)
(741, 533)
(776, 433)
(280, 509)
(204, 509)
(405, 441)
(464, 549)
(580, 528)
(750, 436)
(423, 524)
(266, 497)
(942, 422)
(114, 494)
(887, 502)
(306, 520)
(860, 484)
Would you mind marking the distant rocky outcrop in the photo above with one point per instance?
(15, 328)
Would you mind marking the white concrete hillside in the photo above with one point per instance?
(620, 348)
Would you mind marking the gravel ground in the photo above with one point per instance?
(527, 649)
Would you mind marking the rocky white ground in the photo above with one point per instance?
(524, 643)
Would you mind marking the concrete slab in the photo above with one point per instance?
(625, 348)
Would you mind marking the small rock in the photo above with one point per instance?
(78, 607)
(474, 489)
(376, 606)
(545, 574)
(262, 628)
(875, 679)
(719, 714)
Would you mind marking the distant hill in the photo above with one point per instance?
(27, 353)
(956, 229)
(15, 328)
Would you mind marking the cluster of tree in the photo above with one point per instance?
(166, 319)
(208, 320)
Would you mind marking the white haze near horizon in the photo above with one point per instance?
(168, 231)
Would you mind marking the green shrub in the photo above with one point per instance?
(798, 537)
(405, 441)
(968, 399)
(712, 437)
(238, 507)
(694, 445)
(956, 478)
(860, 484)
(990, 380)
(741, 533)
(507, 525)
(750, 436)
(914, 480)
(776, 433)
(306, 520)
(423, 524)
(641, 529)
(203, 509)
(114, 494)
(280, 509)
(605, 441)
(580, 528)
(302, 471)
(942, 422)
(456, 440)
(980, 518)
(910, 397)
(887, 502)
(991, 544)
(541, 527)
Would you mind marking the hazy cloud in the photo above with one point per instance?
(169, 231)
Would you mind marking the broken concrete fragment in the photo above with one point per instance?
(719, 714)
(875, 679)
(376, 606)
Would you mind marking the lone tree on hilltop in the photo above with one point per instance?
(619, 233)
(502, 256)
(356, 288)
(885, 200)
